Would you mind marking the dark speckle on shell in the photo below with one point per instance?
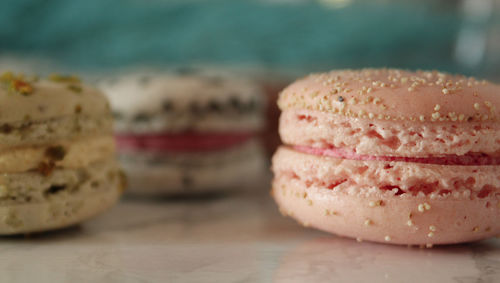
(214, 106)
(141, 117)
(195, 108)
(167, 105)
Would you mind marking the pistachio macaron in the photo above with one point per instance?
(57, 164)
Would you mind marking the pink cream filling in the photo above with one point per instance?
(181, 142)
(470, 159)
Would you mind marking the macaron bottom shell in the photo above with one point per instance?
(389, 202)
(55, 214)
(237, 168)
(61, 206)
(388, 219)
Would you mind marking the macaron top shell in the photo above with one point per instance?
(36, 99)
(141, 93)
(391, 94)
(159, 102)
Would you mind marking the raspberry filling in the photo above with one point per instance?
(185, 142)
(470, 159)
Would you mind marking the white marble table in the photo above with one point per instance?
(227, 239)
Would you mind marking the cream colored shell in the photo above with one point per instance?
(50, 100)
(145, 92)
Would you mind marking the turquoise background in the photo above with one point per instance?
(307, 35)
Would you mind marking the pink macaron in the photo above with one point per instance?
(391, 156)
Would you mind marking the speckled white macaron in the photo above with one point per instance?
(186, 131)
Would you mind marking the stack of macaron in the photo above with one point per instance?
(391, 156)
(57, 160)
(187, 131)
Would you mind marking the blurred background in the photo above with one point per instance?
(287, 37)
